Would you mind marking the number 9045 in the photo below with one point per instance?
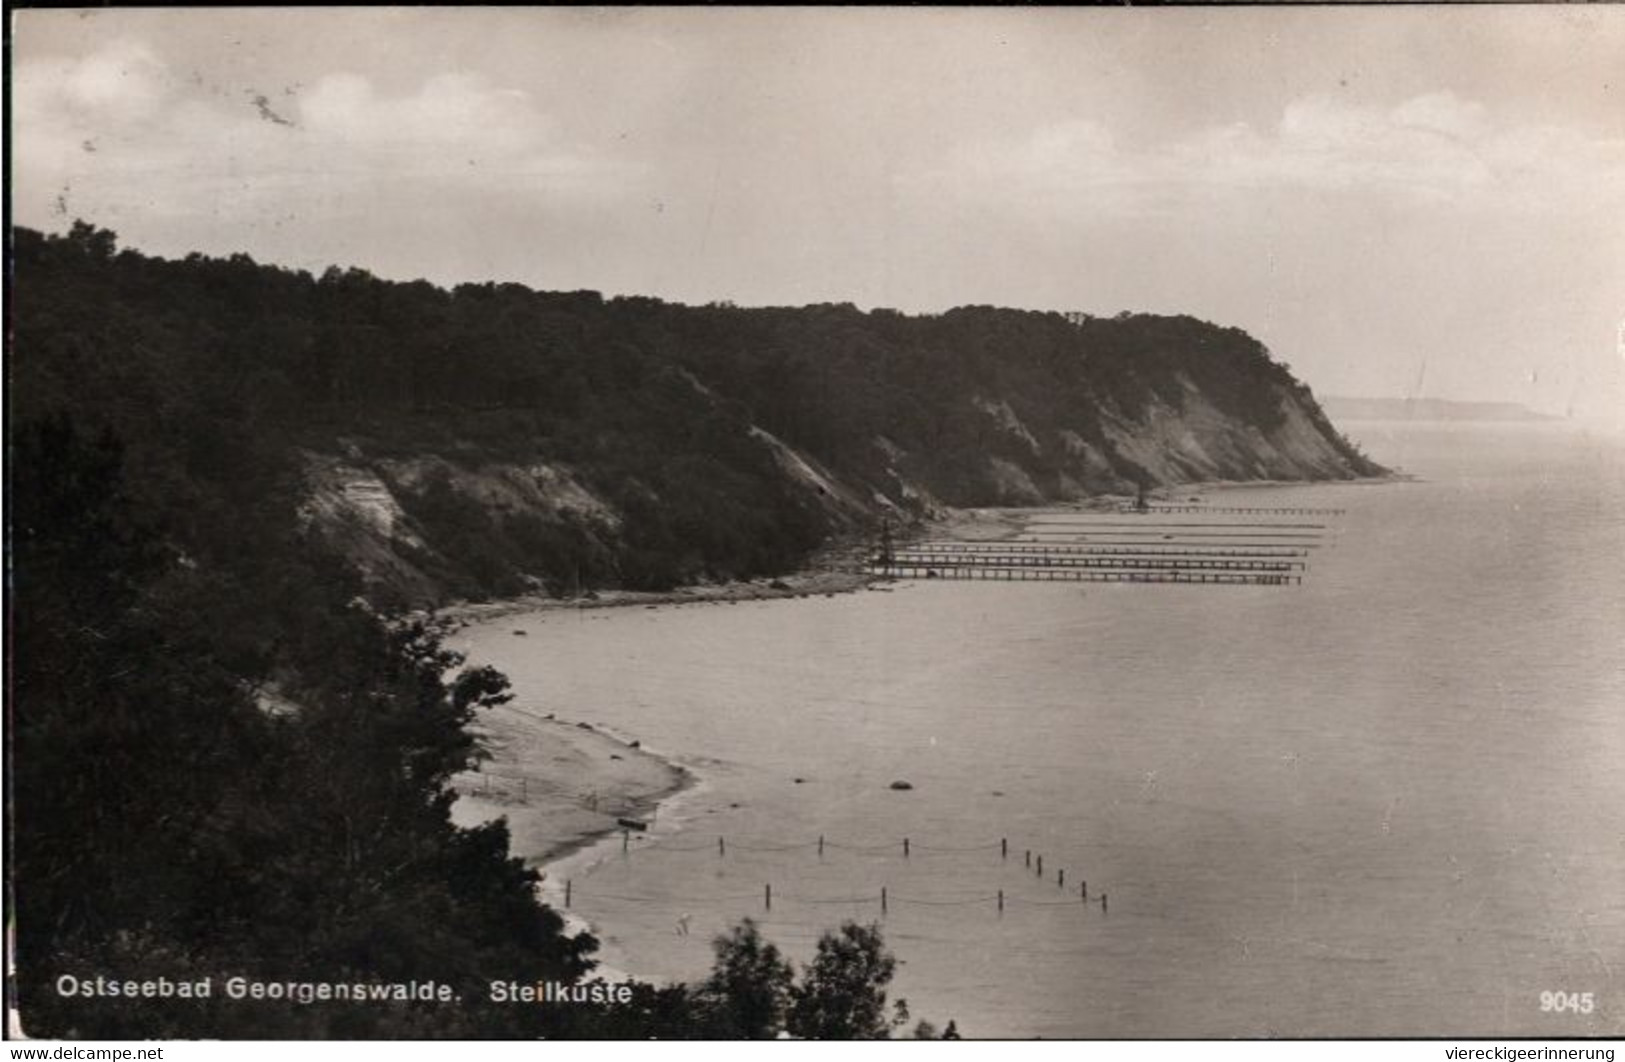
(1558, 1002)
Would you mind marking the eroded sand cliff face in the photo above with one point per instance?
(364, 503)
(1201, 443)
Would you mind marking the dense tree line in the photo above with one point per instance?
(213, 370)
(754, 993)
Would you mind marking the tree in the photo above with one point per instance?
(842, 995)
(97, 243)
(750, 987)
(927, 1031)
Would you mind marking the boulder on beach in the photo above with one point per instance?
(900, 784)
(519, 633)
(634, 744)
(778, 584)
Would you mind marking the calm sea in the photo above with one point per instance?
(1390, 801)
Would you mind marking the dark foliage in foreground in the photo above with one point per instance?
(753, 993)
(169, 819)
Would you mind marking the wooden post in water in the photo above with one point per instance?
(820, 846)
(1004, 848)
(1083, 889)
(905, 848)
(767, 896)
(882, 899)
(1060, 879)
(1040, 866)
(626, 840)
(722, 847)
(1027, 857)
(1001, 901)
(567, 884)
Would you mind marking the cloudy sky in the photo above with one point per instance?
(1397, 200)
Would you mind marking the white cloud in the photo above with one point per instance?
(451, 120)
(1434, 149)
(1443, 113)
(125, 80)
(117, 136)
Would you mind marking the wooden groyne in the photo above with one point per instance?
(1058, 550)
(1229, 525)
(1038, 560)
(1238, 510)
(900, 569)
(1097, 540)
(1103, 547)
(1174, 532)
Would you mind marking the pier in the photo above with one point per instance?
(901, 569)
(1036, 559)
(1269, 552)
(1103, 547)
(1238, 510)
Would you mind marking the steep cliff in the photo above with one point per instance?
(492, 439)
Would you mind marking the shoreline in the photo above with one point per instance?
(809, 582)
(564, 786)
(991, 522)
(832, 570)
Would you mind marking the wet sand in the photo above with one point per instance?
(560, 784)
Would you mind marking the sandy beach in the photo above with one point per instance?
(804, 584)
(560, 784)
(834, 571)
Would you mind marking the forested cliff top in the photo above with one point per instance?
(490, 438)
